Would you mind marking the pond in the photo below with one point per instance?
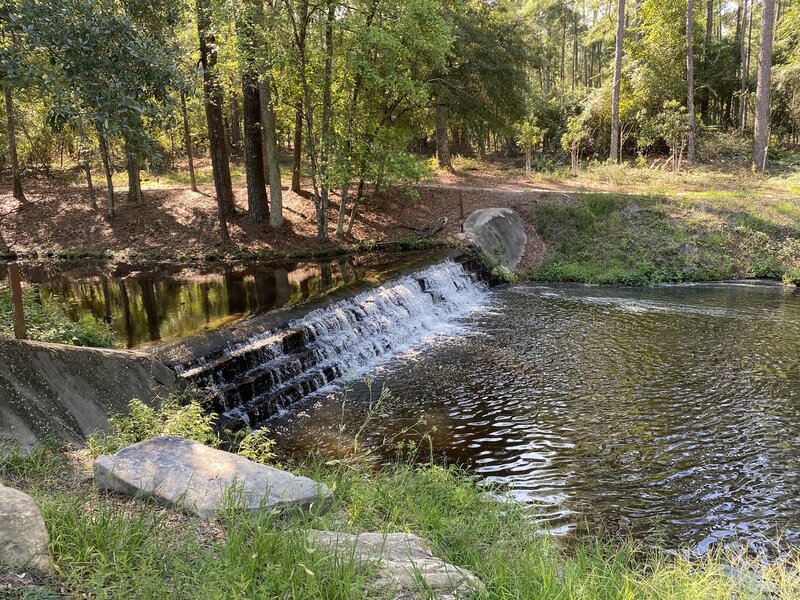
(665, 413)
(151, 304)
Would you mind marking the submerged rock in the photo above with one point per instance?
(188, 475)
(23, 537)
(499, 233)
(405, 564)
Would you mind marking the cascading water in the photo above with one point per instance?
(252, 380)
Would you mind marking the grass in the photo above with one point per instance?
(643, 225)
(648, 239)
(49, 323)
(105, 546)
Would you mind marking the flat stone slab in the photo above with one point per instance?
(499, 233)
(23, 537)
(406, 565)
(182, 473)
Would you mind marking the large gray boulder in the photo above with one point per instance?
(405, 564)
(499, 233)
(182, 473)
(23, 537)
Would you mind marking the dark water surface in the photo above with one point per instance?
(149, 304)
(669, 412)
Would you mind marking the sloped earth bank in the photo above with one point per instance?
(175, 223)
(610, 225)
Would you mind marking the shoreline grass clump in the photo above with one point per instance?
(49, 323)
(108, 546)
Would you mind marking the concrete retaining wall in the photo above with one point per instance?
(67, 392)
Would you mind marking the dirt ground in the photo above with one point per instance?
(178, 224)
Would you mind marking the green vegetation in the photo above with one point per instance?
(108, 547)
(48, 323)
(360, 93)
(182, 414)
(700, 225)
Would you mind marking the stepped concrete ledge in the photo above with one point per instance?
(188, 475)
(23, 537)
(499, 233)
(406, 567)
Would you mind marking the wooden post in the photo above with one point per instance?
(461, 208)
(16, 301)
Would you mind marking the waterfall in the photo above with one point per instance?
(254, 379)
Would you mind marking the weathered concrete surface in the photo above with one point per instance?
(499, 233)
(23, 537)
(182, 473)
(403, 561)
(68, 392)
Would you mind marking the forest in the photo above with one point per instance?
(354, 97)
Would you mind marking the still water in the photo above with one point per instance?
(669, 412)
(147, 304)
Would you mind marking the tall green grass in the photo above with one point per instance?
(105, 546)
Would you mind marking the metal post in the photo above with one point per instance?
(16, 301)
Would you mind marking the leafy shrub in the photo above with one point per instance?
(180, 414)
(47, 323)
(174, 417)
(257, 446)
(466, 163)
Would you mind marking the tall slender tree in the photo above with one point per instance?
(761, 134)
(267, 96)
(744, 66)
(216, 125)
(690, 151)
(187, 142)
(615, 149)
(253, 148)
(16, 175)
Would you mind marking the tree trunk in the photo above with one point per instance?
(297, 151)
(18, 309)
(187, 142)
(322, 205)
(442, 137)
(16, 176)
(743, 58)
(271, 145)
(300, 35)
(690, 78)
(108, 172)
(614, 154)
(761, 136)
(359, 195)
(132, 166)
(253, 158)
(87, 164)
(342, 209)
(216, 126)
(236, 126)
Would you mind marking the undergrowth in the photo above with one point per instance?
(104, 546)
(49, 323)
(604, 238)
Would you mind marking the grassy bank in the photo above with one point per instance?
(641, 239)
(106, 546)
